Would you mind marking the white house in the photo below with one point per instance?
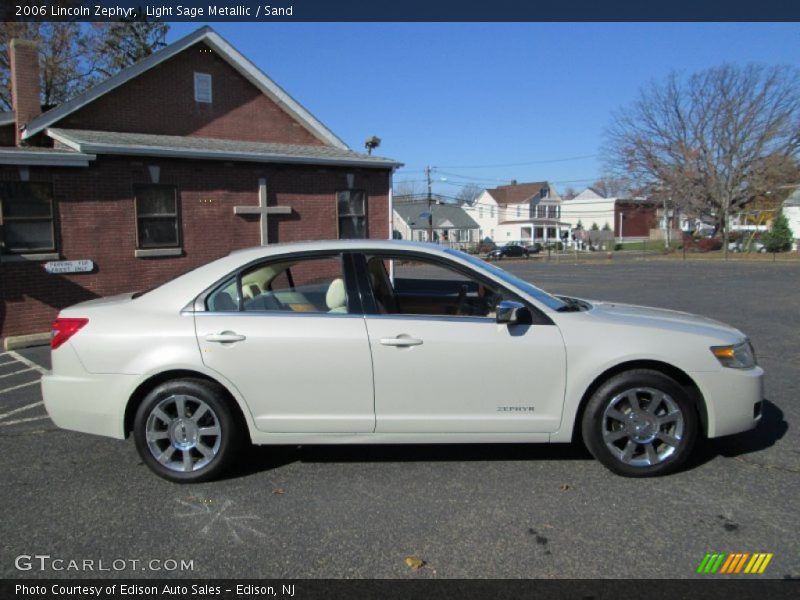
(450, 223)
(791, 209)
(589, 208)
(519, 212)
(484, 211)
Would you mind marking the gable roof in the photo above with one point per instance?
(445, 216)
(145, 144)
(227, 52)
(589, 194)
(518, 193)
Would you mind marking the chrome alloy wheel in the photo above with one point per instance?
(183, 433)
(642, 426)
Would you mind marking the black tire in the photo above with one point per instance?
(639, 425)
(193, 393)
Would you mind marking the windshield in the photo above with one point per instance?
(513, 280)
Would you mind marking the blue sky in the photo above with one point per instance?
(464, 97)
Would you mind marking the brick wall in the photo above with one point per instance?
(637, 219)
(161, 101)
(24, 76)
(96, 220)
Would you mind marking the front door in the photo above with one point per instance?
(441, 362)
(284, 334)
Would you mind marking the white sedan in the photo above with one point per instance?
(366, 341)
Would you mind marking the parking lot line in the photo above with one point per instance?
(27, 362)
(17, 372)
(22, 385)
(8, 362)
(28, 420)
(21, 409)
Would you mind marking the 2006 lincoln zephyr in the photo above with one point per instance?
(390, 342)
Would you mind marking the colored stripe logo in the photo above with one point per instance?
(734, 563)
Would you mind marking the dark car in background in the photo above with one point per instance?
(508, 251)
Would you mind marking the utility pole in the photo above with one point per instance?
(430, 202)
(667, 226)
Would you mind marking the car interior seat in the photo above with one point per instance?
(336, 297)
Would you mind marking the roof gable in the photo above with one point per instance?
(589, 194)
(518, 193)
(224, 50)
(444, 216)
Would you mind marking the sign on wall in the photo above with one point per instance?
(69, 266)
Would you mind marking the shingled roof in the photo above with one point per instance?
(144, 144)
(517, 193)
(445, 216)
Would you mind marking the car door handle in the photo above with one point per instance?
(225, 337)
(401, 342)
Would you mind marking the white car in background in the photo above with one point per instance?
(365, 341)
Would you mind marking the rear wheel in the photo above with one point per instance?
(640, 423)
(185, 430)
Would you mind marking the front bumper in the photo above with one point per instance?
(733, 399)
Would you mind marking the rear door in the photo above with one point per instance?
(290, 336)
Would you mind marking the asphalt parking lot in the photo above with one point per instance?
(468, 511)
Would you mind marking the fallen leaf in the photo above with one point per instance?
(564, 487)
(415, 563)
(279, 491)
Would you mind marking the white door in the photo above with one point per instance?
(442, 364)
(281, 333)
(465, 375)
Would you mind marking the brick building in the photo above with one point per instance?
(173, 162)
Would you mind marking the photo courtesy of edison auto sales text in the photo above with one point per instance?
(124, 589)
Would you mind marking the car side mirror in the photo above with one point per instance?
(513, 313)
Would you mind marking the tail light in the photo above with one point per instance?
(63, 329)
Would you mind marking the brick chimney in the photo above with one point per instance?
(24, 61)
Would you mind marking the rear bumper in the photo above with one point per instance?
(733, 399)
(89, 403)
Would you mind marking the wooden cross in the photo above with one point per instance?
(262, 210)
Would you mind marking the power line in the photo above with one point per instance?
(521, 164)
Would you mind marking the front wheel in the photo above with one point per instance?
(185, 430)
(640, 423)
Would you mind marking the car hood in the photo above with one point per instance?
(664, 318)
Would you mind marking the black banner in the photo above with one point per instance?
(299, 589)
(206, 11)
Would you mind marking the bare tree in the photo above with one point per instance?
(75, 56)
(569, 193)
(117, 45)
(612, 186)
(64, 65)
(713, 141)
(469, 193)
(409, 189)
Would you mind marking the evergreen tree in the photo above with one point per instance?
(779, 238)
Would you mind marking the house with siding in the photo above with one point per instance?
(449, 223)
(519, 212)
(629, 218)
(175, 161)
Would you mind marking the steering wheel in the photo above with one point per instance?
(462, 306)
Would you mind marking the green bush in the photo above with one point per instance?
(618, 246)
(779, 238)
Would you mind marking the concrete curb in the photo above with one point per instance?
(25, 341)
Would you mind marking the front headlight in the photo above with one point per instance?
(740, 356)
